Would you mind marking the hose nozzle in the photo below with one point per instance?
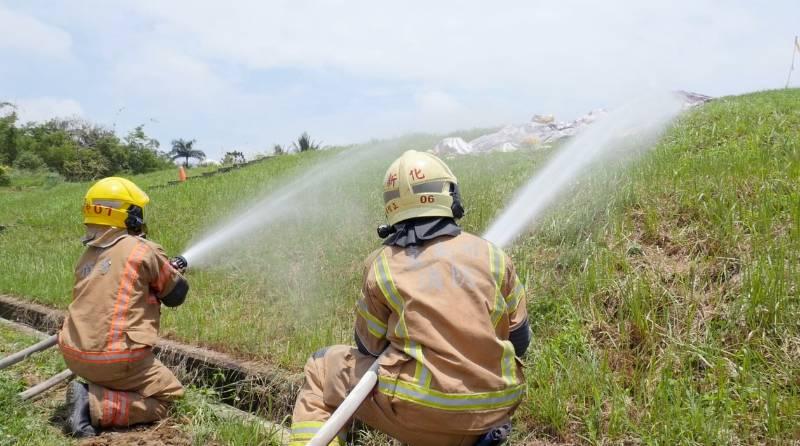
(180, 263)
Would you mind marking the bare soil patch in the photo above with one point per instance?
(165, 433)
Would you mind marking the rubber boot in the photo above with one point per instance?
(496, 436)
(79, 423)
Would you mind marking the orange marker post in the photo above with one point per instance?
(181, 174)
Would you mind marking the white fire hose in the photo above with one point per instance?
(348, 407)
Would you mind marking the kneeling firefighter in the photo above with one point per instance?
(443, 310)
(111, 326)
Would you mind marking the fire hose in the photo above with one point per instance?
(348, 407)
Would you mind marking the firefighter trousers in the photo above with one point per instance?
(122, 394)
(330, 375)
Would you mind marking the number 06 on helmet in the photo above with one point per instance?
(419, 184)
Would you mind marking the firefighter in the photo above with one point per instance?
(444, 313)
(111, 326)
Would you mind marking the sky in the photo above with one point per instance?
(244, 75)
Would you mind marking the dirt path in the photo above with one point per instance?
(166, 433)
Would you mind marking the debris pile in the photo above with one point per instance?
(540, 131)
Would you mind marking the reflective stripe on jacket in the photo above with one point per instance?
(115, 310)
(444, 311)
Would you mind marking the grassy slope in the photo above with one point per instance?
(670, 315)
(665, 314)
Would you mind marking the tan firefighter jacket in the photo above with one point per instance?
(115, 311)
(443, 312)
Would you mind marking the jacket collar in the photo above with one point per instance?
(417, 231)
(103, 237)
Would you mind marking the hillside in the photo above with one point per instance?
(664, 300)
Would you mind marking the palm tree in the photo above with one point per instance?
(305, 143)
(183, 149)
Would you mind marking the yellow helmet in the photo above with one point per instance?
(116, 202)
(419, 184)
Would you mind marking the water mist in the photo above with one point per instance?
(622, 133)
(298, 198)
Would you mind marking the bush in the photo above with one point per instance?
(88, 165)
(5, 179)
(28, 161)
(304, 143)
(234, 157)
(52, 179)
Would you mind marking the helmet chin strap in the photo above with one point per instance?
(456, 207)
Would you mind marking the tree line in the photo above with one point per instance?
(80, 150)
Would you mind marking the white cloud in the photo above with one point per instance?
(44, 108)
(250, 73)
(436, 102)
(167, 73)
(24, 33)
(475, 44)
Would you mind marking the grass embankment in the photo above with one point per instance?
(664, 314)
(195, 419)
(671, 315)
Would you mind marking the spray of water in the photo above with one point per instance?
(294, 199)
(626, 131)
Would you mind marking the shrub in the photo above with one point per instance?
(304, 143)
(28, 161)
(234, 157)
(52, 179)
(5, 179)
(88, 165)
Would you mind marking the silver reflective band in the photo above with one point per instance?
(107, 203)
(434, 187)
(390, 195)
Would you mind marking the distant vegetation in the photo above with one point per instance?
(233, 157)
(182, 148)
(75, 149)
(304, 143)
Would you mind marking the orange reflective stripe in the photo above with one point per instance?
(163, 276)
(152, 299)
(109, 409)
(112, 413)
(122, 408)
(126, 419)
(124, 295)
(117, 397)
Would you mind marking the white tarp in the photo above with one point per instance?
(453, 146)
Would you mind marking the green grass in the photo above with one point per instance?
(32, 423)
(24, 423)
(663, 298)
